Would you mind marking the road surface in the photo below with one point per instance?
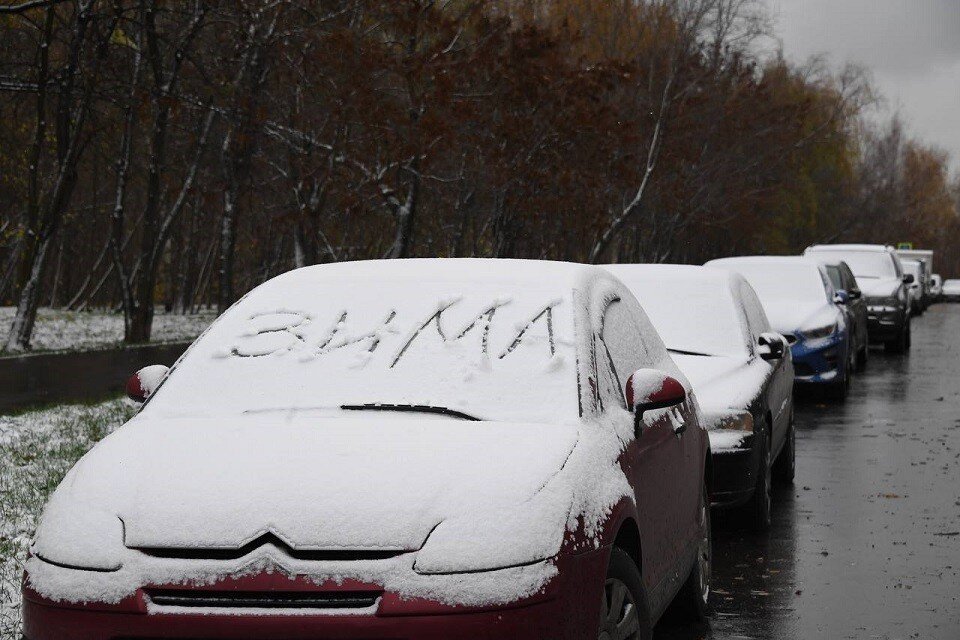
(866, 544)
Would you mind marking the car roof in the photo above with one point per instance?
(879, 248)
(539, 274)
(796, 260)
(677, 273)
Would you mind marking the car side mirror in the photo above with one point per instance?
(649, 389)
(855, 294)
(143, 383)
(908, 278)
(841, 297)
(772, 346)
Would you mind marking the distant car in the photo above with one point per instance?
(951, 291)
(884, 286)
(363, 449)
(714, 326)
(936, 286)
(802, 305)
(915, 289)
(852, 300)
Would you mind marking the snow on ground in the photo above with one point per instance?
(36, 450)
(58, 330)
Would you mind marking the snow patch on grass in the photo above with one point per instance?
(58, 330)
(36, 450)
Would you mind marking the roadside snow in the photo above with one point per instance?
(57, 330)
(36, 450)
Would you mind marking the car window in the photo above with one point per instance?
(621, 350)
(757, 322)
(848, 279)
(836, 276)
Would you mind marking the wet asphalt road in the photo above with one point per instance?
(866, 544)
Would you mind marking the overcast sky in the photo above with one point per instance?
(912, 48)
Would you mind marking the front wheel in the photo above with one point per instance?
(862, 356)
(623, 610)
(785, 467)
(691, 601)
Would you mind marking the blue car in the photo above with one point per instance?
(803, 305)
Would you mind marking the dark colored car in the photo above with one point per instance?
(803, 306)
(742, 373)
(851, 298)
(428, 449)
(884, 285)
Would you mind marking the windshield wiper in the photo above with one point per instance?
(691, 353)
(410, 408)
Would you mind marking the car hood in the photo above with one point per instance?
(788, 316)
(373, 482)
(724, 383)
(879, 288)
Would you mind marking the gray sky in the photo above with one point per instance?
(912, 48)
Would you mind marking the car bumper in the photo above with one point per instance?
(734, 462)
(820, 362)
(567, 608)
(885, 326)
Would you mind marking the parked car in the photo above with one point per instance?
(884, 285)
(850, 296)
(951, 291)
(915, 289)
(802, 306)
(936, 287)
(718, 334)
(359, 450)
(925, 256)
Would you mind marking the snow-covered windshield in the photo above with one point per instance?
(913, 267)
(482, 349)
(693, 313)
(779, 281)
(864, 264)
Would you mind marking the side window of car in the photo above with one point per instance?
(621, 350)
(756, 316)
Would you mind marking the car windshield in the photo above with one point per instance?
(864, 264)
(465, 350)
(782, 281)
(692, 315)
(912, 266)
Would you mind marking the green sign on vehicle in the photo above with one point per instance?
(905, 246)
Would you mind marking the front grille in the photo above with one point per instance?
(265, 599)
(312, 555)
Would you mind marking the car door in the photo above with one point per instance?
(659, 458)
(858, 306)
(778, 385)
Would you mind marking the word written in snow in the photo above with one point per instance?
(288, 332)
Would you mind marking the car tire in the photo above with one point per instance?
(785, 466)
(692, 599)
(631, 617)
(759, 507)
(862, 357)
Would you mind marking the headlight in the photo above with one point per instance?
(820, 332)
(77, 535)
(740, 421)
(521, 535)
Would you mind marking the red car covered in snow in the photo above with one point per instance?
(405, 449)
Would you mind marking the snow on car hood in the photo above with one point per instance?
(723, 383)
(373, 482)
(788, 315)
(878, 288)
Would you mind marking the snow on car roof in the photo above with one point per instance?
(779, 277)
(849, 247)
(492, 339)
(692, 307)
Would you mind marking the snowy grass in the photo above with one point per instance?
(57, 330)
(36, 449)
